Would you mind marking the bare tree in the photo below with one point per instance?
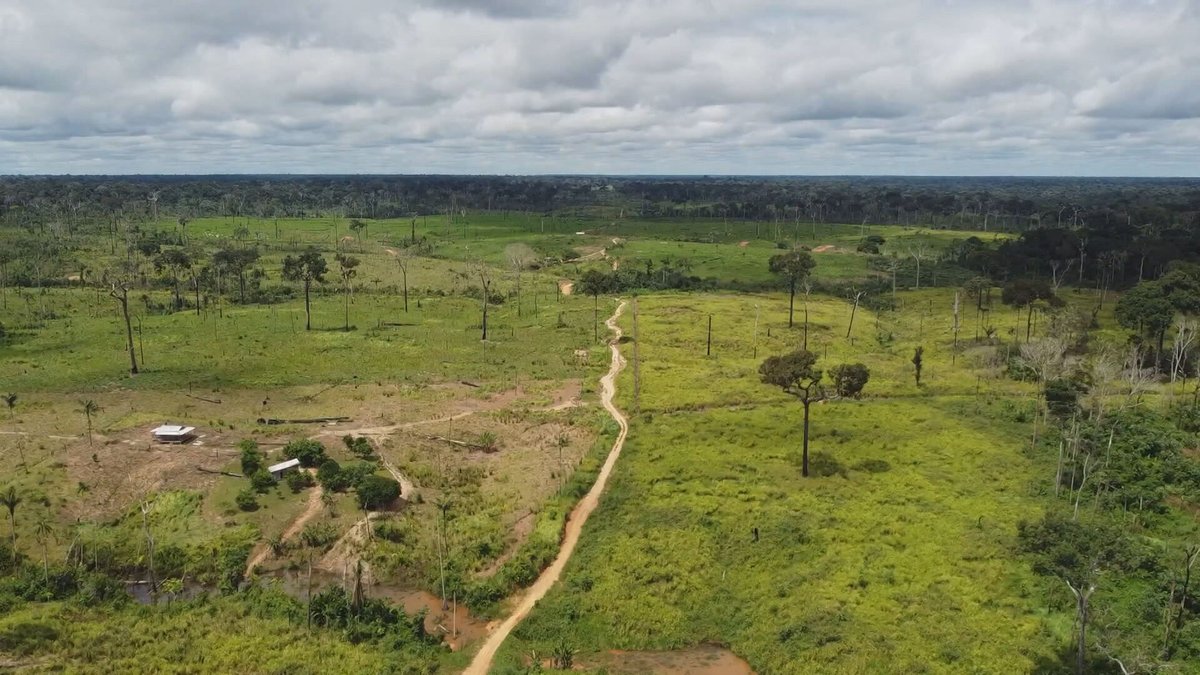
(857, 298)
(403, 257)
(519, 257)
(918, 252)
(119, 290)
(485, 283)
(1137, 379)
(1082, 614)
(1185, 337)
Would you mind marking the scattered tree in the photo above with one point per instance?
(1023, 293)
(376, 492)
(519, 257)
(797, 375)
(89, 408)
(10, 400)
(11, 499)
(793, 267)
(918, 360)
(310, 266)
(347, 269)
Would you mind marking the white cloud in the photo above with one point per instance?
(621, 86)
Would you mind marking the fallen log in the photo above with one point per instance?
(206, 400)
(308, 420)
(220, 473)
(469, 384)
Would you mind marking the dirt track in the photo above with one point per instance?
(311, 509)
(575, 522)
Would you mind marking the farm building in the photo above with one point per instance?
(277, 470)
(173, 433)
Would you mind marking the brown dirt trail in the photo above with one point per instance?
(311, 509)
(575, 522)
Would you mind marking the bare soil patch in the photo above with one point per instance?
(702, 660)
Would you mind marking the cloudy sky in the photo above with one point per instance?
(1107, 87)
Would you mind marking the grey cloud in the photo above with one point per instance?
(631, 86)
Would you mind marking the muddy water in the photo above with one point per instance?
(702, 660)
(454, 623)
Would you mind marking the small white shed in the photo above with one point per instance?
(277, 470)
(173, 433)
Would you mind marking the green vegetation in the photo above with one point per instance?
(977, 476)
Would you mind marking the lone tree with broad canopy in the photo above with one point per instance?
(310, 266)
(793, 267)
(796, 374)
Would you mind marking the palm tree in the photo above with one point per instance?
(89, 408)
(44, 530)
(11, 500)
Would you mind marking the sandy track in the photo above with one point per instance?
(311, 509)
(575, 522)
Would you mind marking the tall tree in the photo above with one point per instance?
(918, 361)
(347, 269)
(793, 267)
(593, 283)
(403, 257)
(11, 499)
(43, 531)
(797, 375)
(519, 257)
(308, 267)
(175, 262)
(485, 283)
(1023, 294)
(119, 290)
(89, 408)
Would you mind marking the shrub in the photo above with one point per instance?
(392, 531)
(360, 446)
(309, 452)
(246, 500)
(488, 442)
(262, 481)
(330, 476)
(849, 379)
(375, 492)
(355, 472)
(298, 480)
(252, 457)
(318, 535)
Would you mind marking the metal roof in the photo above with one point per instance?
(283, 465)
(172, 430)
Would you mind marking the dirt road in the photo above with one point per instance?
(608, 388)
(311, 509)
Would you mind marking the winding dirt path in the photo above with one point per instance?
(311, 509)
(575, 522)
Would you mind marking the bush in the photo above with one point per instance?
(262, 481)
(298, 480)
(252, 457)
(318, 535)
(330, 476)
(360, 446)
(375, 492)
(246, 500)
(309, 452)
(849, 379)
(354, 473)
(488, 442)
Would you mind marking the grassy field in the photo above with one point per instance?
(901, 554)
